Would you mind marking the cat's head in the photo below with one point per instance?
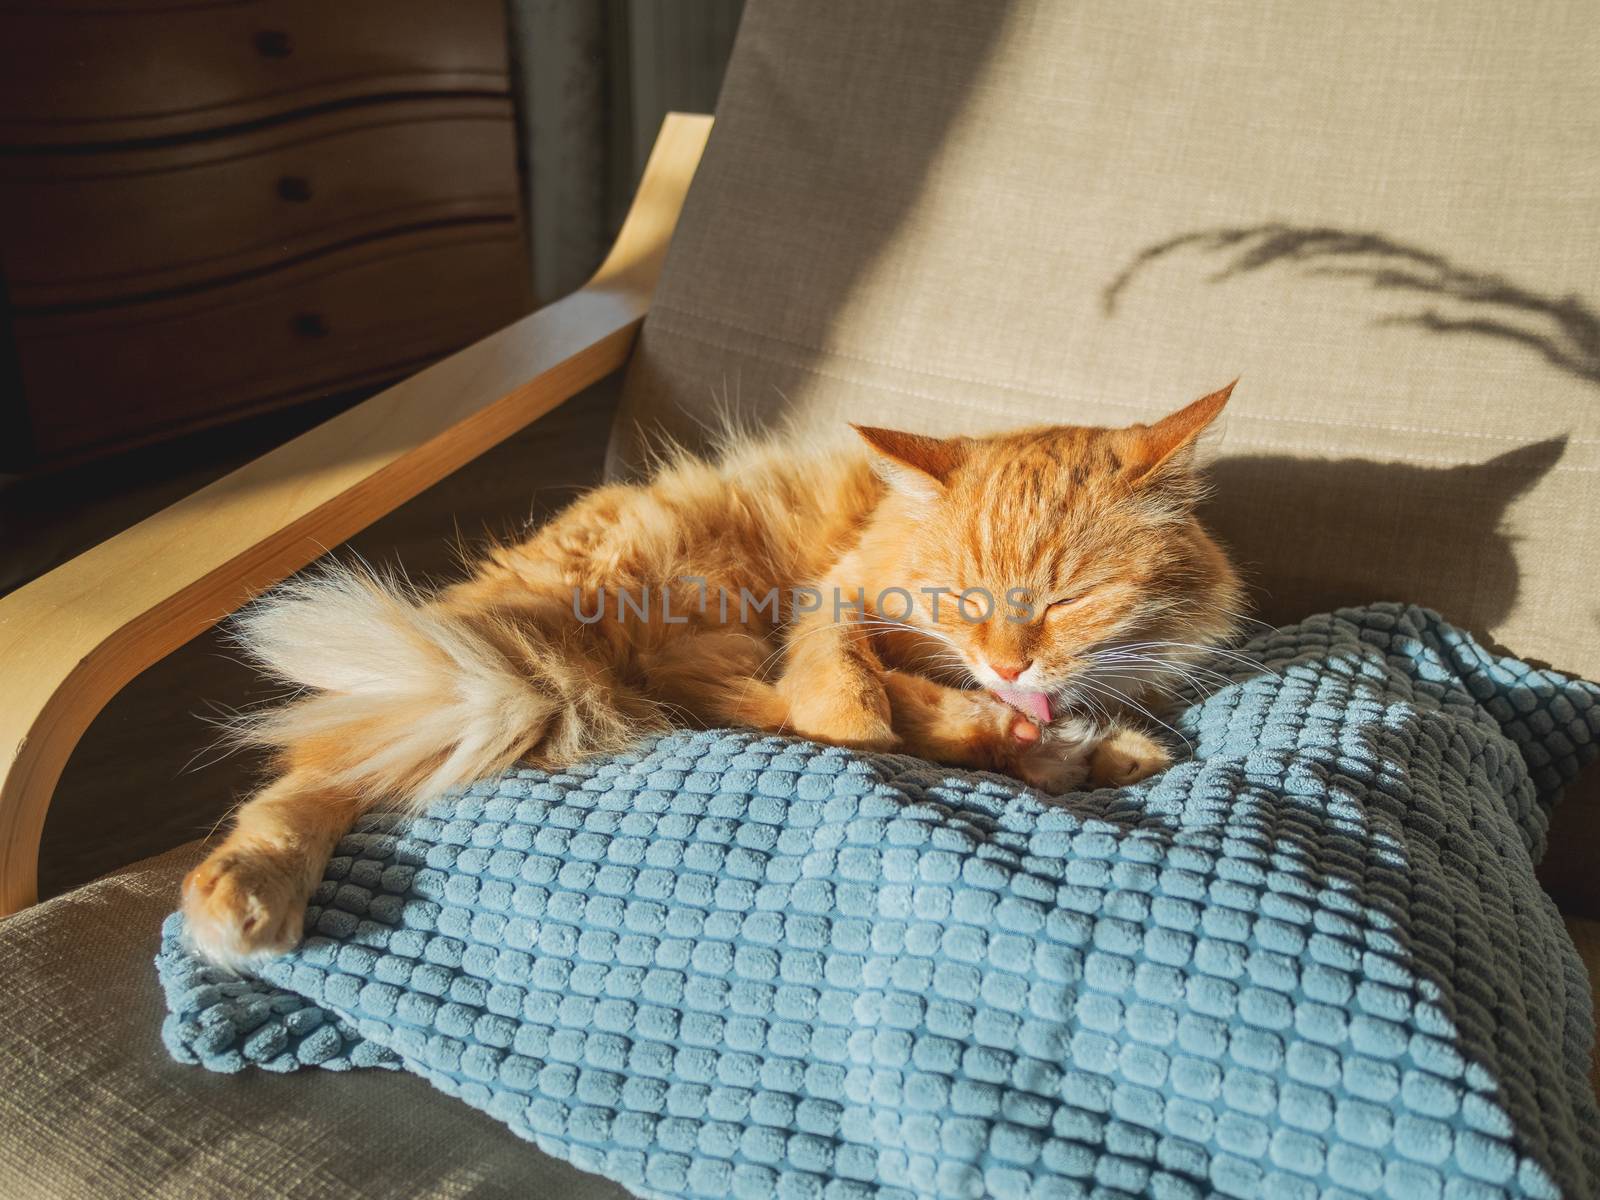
(1076, 572)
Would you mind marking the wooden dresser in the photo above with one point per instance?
(212, 208)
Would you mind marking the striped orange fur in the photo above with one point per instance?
(1106, 591)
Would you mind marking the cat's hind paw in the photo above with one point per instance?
(243, 906)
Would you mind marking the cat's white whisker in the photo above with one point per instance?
(1141, 710)
(1159, 667)
(1202, 651)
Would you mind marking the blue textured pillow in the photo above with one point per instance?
(1310, 959)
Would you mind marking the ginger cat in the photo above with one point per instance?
(854, 596)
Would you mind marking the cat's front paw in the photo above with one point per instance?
(855, 716)
(1059, 761)
(1051, 771)
(1052, 758)
(244, 905)
(1127, 756)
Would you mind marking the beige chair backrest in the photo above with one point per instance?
(954, 215)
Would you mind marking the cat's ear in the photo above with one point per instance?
(911, 463)
(1151, 452)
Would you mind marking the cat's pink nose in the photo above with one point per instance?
(1009, 671)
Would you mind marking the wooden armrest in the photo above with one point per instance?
(72, 639)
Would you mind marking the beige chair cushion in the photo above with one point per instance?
(92, 1107)
(952, 216)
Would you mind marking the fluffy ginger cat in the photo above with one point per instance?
(854, 596)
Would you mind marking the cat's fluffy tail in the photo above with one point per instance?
(401, 698)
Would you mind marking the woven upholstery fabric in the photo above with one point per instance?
(955, 216)
(93, 1108)
(1311, 956)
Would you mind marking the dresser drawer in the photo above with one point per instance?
(86, 229)
(354, 318)
(113, 71)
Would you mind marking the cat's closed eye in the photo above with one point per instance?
(1059, 606)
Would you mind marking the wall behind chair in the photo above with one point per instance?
(592, 83)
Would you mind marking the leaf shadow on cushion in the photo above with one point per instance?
(1347, 531)
(1564, 330)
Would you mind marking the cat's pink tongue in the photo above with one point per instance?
(1035, 704)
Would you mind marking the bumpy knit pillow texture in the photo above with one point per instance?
(1309, 960)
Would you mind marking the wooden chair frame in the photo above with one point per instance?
(72, 639)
